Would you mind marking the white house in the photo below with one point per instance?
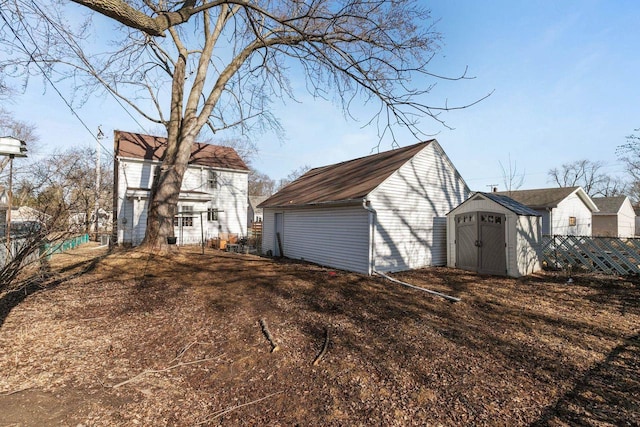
(254, 213)
(213, 196)
(565, 210)
(384, 212)
(616, 217)
(493, 234)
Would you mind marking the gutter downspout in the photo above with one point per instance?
(445, 296)
(366, 204)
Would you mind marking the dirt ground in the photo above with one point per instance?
(130, 338)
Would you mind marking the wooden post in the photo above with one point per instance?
(9, 202)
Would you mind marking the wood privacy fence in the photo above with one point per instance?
(609, 255)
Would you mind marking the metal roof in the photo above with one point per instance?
(348, 181)
(148, 147)
(512, 205)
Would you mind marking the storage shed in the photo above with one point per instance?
(384, 212)
(493, 234)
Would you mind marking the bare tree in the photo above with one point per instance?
(629, 153)
(225, 60)
(10, 126)
(584, 173)
(511, 178)
(260, 184)
(293, 175)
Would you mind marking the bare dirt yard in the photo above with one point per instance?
(130, 338)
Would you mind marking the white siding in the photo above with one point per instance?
(230, 197)
(626, 220)
(411, 206)
(572, 206)
(335, 237)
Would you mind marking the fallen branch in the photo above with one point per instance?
(157, 371)
(9, 393)
(325, 346)
(265, 329)
(233, 408)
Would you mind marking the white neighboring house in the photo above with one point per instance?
(566, 211)
(616, 217)
(213, 192)
(384, 212)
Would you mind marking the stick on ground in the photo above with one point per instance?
(265, 329)
(325, 346)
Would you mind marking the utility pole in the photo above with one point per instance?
(99, 137)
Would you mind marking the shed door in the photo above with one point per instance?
(491, 240)
(278, 235)
(480, 242)
(466, 236)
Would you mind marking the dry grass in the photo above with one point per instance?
(180, 336)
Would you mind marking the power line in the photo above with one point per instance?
(77, 48)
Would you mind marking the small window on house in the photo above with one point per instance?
(572, 221)
(212, 180)
(212, 214)
(184, 217)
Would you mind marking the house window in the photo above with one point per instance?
(212, 179)
(212, 214)
(572, 221)
(184, 217)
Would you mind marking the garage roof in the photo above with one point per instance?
(345, 181)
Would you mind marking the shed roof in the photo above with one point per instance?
(345, 181)
(148, 147)
(609, 205)
(514, 206)
(543, 198)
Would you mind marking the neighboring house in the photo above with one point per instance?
(213, 196)
(24, 220)
(616, 217)
(565, 210)
(493, 234)
(384, 212)
(78, 221)
(254, 213)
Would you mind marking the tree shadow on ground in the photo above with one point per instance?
(606, 394)
(44, 279)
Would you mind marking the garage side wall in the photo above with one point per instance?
(411, 208)
(334, 237)
(572, 206)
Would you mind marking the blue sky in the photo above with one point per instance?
(563, 76)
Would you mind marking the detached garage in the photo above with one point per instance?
(385, 212)
(493, 234)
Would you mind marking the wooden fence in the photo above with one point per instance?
(609, 255)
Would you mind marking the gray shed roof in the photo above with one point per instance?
(345, 181)
(512, 205)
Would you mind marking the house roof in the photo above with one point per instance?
(148, 147)
(345, 181)
(507, 202)
(609, 205)
(545, 198)
(255, 200)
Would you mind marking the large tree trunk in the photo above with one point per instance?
(165, 191)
